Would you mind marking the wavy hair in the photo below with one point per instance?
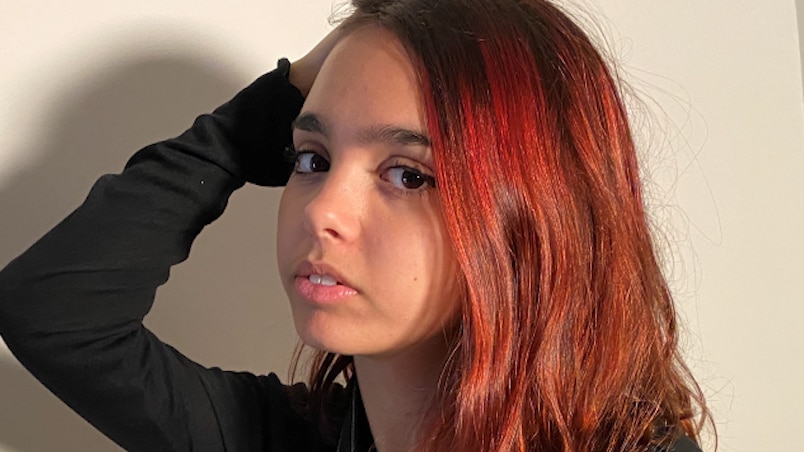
(568, 335)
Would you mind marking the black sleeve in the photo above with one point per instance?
(685, 444)
(71, 307)
(682, 444)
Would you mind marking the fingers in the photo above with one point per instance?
(304, 70)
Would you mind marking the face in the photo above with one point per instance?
(361, 245)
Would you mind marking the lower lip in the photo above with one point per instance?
(322, 294)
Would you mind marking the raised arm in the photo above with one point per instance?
(71, 307)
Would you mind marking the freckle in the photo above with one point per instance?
(202, 182)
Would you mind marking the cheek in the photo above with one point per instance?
(413, 257)
(445, 275)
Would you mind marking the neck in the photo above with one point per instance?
(397, 391)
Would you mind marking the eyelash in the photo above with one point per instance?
(292, 155)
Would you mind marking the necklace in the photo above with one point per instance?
(352, 429)
(355, 435)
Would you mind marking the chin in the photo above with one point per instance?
(331, 346)
(341, 342)
(323, 334)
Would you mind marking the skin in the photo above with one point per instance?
(362, 207)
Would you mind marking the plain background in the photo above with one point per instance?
(84, 84)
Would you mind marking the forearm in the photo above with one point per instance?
(121, 242)
(71, 306)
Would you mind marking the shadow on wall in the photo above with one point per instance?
(800, 14)
(215, 309)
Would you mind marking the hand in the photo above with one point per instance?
(304, 70)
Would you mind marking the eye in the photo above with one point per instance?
(310, 162)
(407, 178)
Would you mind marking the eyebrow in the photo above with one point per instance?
(378, 133)
(310, 123)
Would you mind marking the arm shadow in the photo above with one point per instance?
(223, 307)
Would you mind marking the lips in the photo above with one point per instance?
(321, 284)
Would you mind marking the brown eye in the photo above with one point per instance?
(310, 162)
(408, 178)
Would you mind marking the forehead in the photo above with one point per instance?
(367, 80)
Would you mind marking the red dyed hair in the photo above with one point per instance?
(568, 335)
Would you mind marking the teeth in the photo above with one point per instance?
(324, 280)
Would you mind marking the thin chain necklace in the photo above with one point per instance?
(353, 440)
(352, 423)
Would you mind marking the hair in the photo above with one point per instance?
(567, 338)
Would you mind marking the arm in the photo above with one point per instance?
(71, 306)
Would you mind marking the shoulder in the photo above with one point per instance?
(682, 444)
(259, 412)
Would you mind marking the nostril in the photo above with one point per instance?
(331, 232)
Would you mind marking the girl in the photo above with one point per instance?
(462, 237)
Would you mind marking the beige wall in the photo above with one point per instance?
(800, 10)
(86, 83)
(728, 74)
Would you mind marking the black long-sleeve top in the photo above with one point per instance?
(71, 307)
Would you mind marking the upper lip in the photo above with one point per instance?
(308, 268)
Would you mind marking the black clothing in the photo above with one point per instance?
(71, 307)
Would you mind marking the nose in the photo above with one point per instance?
(333, 211)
